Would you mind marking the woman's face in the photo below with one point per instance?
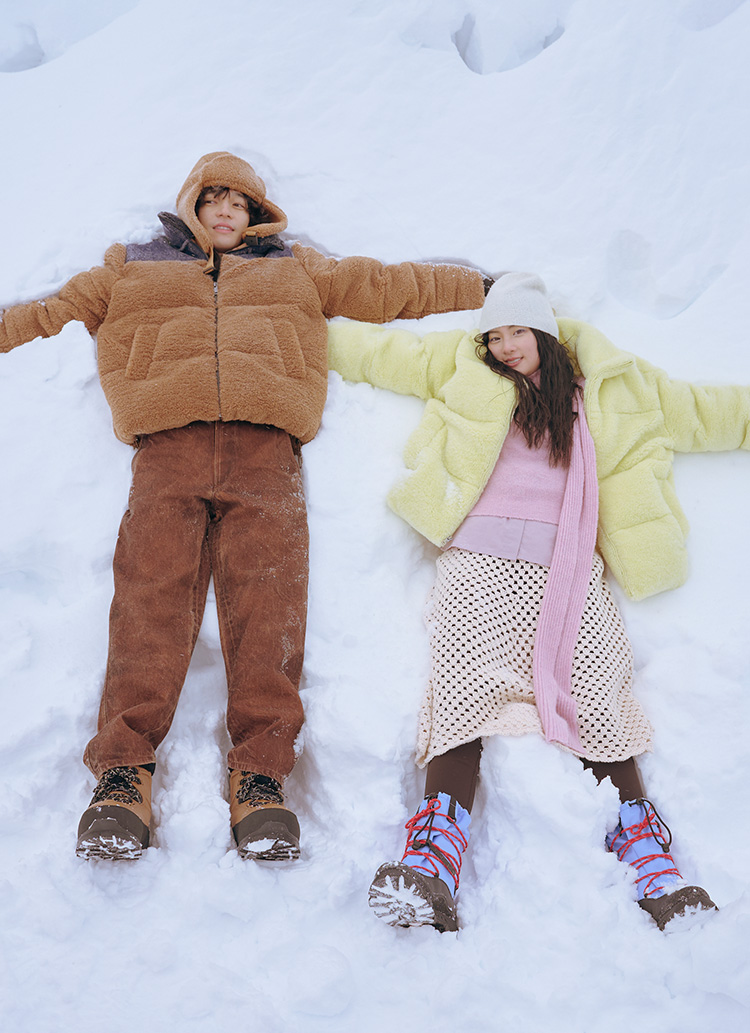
(516, 347)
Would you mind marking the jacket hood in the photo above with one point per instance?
(220, 168)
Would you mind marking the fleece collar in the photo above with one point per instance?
(179, 235)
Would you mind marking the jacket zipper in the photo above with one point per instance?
(216, 343)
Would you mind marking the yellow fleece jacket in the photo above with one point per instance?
(637, 416)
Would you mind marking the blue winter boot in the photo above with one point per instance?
(643, 840)
(421, 891)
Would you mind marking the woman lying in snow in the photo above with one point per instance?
(543, 453)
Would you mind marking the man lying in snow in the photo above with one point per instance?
(213, 357)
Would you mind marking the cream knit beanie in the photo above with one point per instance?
(518, 299)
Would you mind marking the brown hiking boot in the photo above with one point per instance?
(115, 825)
(264, 830)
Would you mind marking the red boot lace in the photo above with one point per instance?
(419, 842)
(651, 827)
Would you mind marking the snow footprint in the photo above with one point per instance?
(636, 280)
(489, 37)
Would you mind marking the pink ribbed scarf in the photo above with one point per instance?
(565, 594)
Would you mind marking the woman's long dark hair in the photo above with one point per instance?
(547, 409)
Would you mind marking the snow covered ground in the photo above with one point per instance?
(603, 145)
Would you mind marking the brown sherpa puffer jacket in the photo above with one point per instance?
(182, 336)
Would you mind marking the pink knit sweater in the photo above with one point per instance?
(523, 484)
(518, 512)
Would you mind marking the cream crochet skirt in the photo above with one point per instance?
(481, 617)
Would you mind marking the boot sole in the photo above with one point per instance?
(672, 905)
(105, 840)
(270, 841)
(111, 833)
(403, 897)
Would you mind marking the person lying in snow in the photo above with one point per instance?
(543, 453)
(212, 355)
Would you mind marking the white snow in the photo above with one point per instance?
(603, 145)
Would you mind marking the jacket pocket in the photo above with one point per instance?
(289, 347)
(141, 352)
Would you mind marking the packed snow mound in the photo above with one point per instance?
(33, 32)
(704, 14)
(488, 37)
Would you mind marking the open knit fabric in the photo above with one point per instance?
(481, 616)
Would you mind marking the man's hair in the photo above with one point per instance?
(543, 409)
(256, 211)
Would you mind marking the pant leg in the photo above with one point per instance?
(161, 570)
(258, 542)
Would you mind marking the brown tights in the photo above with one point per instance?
(457, 773)
(625, 776)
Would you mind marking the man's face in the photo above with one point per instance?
(226, 218)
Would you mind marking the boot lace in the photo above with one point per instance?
(419, 842)
(651, 827)
(118, 784)
(256, 789)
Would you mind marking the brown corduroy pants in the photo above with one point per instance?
(209, 498)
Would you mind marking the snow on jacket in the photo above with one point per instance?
(178, 342)
(637, 416)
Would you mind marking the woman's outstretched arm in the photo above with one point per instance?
(391, 358)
